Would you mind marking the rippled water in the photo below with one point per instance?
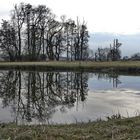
(33, 97)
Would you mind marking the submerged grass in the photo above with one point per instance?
(115, 128)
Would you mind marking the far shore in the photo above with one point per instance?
(130, 66)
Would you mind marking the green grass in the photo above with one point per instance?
(113, 129)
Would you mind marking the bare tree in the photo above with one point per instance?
(18, 17)
(115, 53)
(38, 35)
(8, 41)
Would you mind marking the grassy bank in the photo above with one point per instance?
(113, 129)
(75, 65)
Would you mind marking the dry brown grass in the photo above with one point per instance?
(113, 129)
(76, 64)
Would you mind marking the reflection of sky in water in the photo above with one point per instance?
(132, 82)
(103, 103)
(5, 114)
(103, 100)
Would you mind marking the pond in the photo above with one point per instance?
(53, 97)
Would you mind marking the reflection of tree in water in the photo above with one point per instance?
(113, 77)
(35, 95)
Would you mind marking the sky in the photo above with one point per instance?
(113, 17)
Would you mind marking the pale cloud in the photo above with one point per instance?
(114, 16)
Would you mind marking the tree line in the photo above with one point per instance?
(112, 53)
(34, 33)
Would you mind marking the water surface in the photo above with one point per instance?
(32, 97)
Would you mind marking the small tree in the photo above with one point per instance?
(115, 53)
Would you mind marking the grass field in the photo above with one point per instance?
(113, 129)
(122, 65)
